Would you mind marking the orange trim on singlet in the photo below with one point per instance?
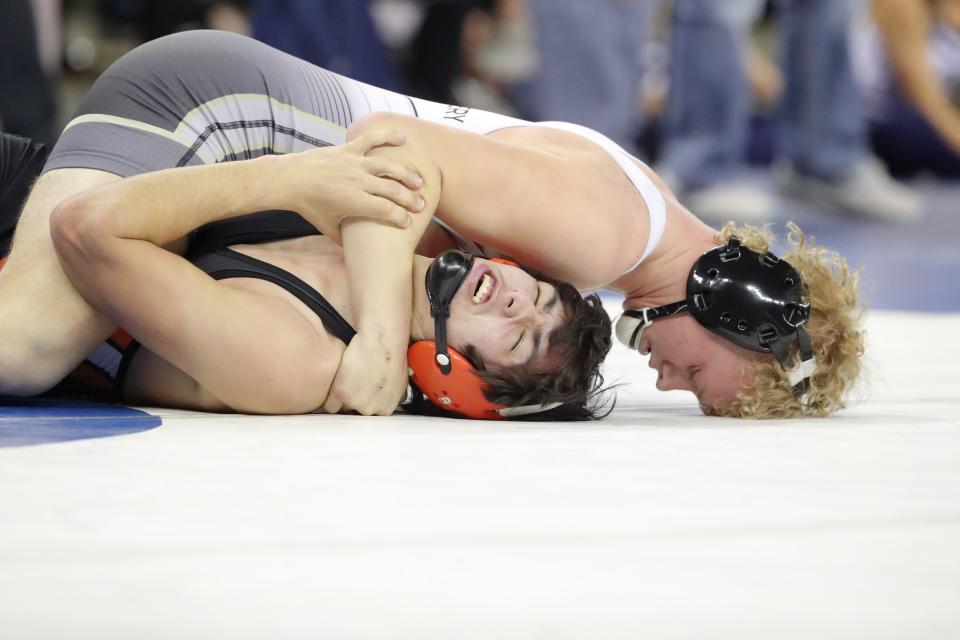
(3, 261)
(122, 339)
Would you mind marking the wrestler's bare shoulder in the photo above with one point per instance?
(595, 163)
(561, 143)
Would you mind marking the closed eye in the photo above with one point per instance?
(520, 339)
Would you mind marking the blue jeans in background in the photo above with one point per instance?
(590, 65)
(821, 128)
(338, 35)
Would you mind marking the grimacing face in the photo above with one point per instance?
(689, 357)
(505, 314)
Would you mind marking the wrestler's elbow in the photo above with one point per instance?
(418, 152)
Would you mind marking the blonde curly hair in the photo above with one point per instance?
(834, 328)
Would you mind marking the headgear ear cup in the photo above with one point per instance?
(461, 390)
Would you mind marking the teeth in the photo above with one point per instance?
(486, 283)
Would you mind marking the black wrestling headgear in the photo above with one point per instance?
(752, 299)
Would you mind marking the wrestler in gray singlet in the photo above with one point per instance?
(203, 97)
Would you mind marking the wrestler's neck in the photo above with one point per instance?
(421, 324)
(662, 277)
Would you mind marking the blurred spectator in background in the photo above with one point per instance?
(821, 139)
(156, 18)
(909, 61)
(27, 98)
(472, 53)
(590, 65)
(337, 35)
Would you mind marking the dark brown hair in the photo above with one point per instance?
(578, 345)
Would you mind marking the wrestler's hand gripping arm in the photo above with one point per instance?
(329, 185)
(372, 377)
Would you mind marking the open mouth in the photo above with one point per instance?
(485, 286)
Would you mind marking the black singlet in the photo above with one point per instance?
(209, 251)
(227, 263)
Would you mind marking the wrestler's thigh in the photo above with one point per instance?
(45, 326)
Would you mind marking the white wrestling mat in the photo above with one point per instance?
(654, 523)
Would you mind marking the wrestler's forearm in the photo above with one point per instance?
(379, 257)
(379, 268)
(162, 206)
(379, 260)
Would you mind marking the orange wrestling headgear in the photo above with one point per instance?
(442, 374)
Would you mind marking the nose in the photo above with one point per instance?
(520, 310)
(671, 378)
(517, 306)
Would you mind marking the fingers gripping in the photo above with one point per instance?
(394, 192)
(391, 181)
(387, 168)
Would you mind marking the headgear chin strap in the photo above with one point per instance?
(442, 374)
(752, 299)
(445, 276)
